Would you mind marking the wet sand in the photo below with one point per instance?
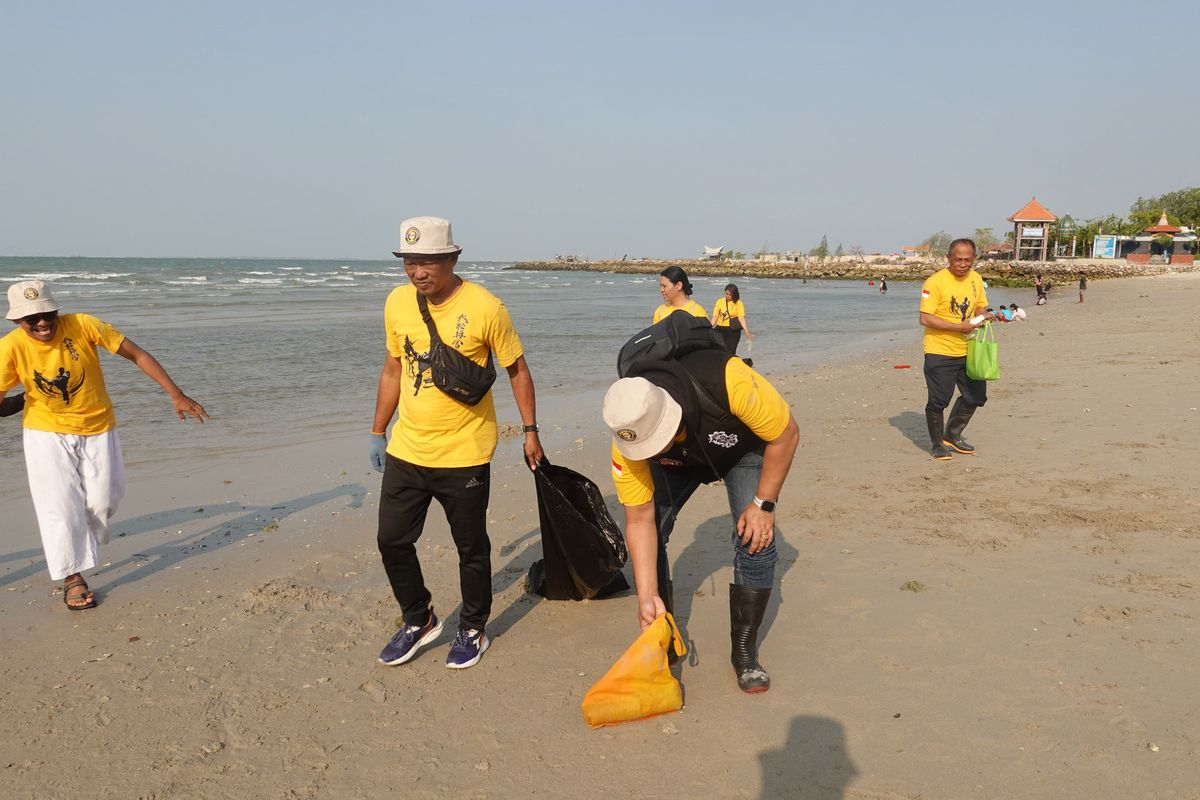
(1048, 649)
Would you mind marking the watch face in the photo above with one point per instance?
(768, 505)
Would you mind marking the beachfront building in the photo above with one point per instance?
(1031, 231)
(714, 253)
(1161, 243)
(917, 251)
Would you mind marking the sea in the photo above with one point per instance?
(281, 351)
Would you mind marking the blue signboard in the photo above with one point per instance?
(1104, 246)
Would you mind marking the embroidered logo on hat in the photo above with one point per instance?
(627, 434)
(412, 235)
(31, 293)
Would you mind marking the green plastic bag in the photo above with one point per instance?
(983, 355)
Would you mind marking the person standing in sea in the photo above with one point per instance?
(676, 291)
(953, 303)
(72, 451)
(441, 447)
(729, 318)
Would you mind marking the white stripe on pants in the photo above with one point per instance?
(76, 483)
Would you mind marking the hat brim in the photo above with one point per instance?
(657, 441)
(32, 307)
(429, 251)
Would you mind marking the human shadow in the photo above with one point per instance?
(813, 763)
(215, 537)
(912, 425)
(154, 521)
(712, 549)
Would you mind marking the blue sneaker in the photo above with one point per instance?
(409, 639)
(467, 649)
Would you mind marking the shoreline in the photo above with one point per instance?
(233, 652)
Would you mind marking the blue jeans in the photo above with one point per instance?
(672, 490)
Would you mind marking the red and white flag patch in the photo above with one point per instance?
(618, 471)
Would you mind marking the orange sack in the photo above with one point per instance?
(640, 684)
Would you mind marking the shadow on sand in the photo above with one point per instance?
(912, 425)
(813, 763)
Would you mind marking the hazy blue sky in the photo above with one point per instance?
(642, 128)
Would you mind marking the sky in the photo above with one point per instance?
(646, 129)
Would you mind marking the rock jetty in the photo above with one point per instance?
(1009, 273)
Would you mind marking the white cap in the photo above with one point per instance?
(426, 236)
(643, 418)
(29, 297)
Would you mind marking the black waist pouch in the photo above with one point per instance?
(452, 372)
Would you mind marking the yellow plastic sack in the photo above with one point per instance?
(639, 685)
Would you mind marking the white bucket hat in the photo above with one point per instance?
(426, 236)
(643, 418)
(29, 297)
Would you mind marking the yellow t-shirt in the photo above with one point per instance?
(64, 385)
(692, 307)
(954, 300)
(752, 399)
(725, 310)
(434, 430)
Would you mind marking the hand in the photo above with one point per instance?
(749, 336)
(649, 610)
(378, 451)
(185, 405)
(756, 527)
(533, 450)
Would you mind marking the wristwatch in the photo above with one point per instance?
(765, 505)
(529, 428)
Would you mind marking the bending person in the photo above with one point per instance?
(676, 291)
(666, 443)
(729, 318)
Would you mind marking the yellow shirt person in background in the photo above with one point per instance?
(72, 451)
(729, 318)
(441, 448)
(676, 291)
(953, 303)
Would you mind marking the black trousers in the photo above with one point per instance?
(403, 502)
(942, 374)
(731, 337)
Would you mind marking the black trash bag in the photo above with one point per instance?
(12, 404)
(582, 547)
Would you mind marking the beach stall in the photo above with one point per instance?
(1031, 231)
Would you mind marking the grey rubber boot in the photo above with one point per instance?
(960, 415)
(746, 608)
(938, 450)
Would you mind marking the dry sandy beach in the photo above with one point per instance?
(1050, 649)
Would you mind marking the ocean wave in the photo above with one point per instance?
(261, 281)
(253, 272)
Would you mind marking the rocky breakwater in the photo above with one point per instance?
(1010, 273)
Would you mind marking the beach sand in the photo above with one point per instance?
(1049, 652)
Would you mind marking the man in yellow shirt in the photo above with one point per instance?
(441, 447)
(704, 417)
(72, 451)
(953, 303)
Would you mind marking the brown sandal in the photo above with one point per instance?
(85, 594)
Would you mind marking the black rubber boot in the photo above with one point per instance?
(938, 450)
(746, 609)
(960, 415)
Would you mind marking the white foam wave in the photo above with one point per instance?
(261, 281)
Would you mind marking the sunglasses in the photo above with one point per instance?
(45, 316)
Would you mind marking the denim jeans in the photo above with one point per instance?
(672, 490)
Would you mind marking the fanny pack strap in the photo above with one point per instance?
(423, 304)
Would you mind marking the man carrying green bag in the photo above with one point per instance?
(953, 303)
(983, 355)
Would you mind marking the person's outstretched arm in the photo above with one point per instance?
(184, 405)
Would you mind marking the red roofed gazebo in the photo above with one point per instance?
(1031, 230)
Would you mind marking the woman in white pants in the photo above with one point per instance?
(72, 451)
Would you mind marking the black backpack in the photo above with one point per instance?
(668, 339)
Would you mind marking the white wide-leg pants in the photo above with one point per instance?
(76, 483)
